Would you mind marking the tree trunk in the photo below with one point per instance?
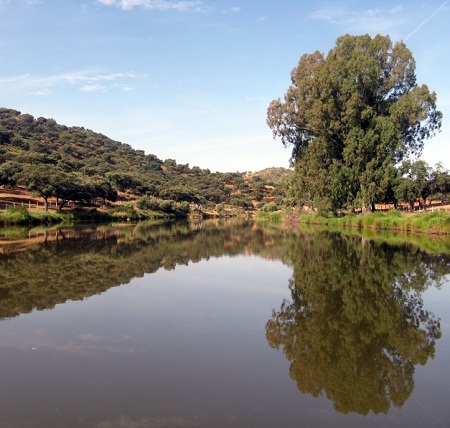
(62, 204)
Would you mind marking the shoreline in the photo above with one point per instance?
(427, 222)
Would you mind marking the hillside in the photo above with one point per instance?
(76, 164)
(271, 175)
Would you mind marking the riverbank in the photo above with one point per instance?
(436, 222)
(20, 215)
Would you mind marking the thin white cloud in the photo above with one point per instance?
(234, 9)
(373, 21)
(160, 5)
(85, 80)
(84, 76)
(22, 1)
(92, 88)
(425, 21)
(40, 93)
(256, 98)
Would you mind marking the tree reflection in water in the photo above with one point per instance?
(356, 325)
(78, 263)
(353, 330)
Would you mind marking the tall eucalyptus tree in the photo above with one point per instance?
(351, 117)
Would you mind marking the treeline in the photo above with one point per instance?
(417, 182)
(77, 164)
(412, 185)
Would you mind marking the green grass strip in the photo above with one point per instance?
(437, 222)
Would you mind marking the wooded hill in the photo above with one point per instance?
(80, 165)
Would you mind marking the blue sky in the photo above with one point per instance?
(191, 80)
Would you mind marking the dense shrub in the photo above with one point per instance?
(156, 204)
(16, 215)
(269, 207)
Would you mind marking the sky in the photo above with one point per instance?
(191, 80)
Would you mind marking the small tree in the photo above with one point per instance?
(440, 183)
(10, 173)
(41, 180)
(70, 187)
(101, 188)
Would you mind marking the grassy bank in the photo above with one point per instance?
(437, 222)
(20, 215)
(428, 231)
(271, 217)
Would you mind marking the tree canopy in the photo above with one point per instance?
(351, 117)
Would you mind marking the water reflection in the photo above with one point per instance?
(51, 267)
(356, 325)
(189, 346)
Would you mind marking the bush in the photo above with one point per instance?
(156, 204)
(269, 207)
(183, 209)
(17, 215)
(164, 205)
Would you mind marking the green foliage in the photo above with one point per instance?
(76, 164)
(269, 207)
(178, 209)
(270, 216)
(156, 204)
(41, 180)
(241, 200)
(5, 136)
(437, 222)
(46, 217)
(351, 117)
(356, 317)
(439, 182)
(16, 215)
(10, 173)
(20, 215)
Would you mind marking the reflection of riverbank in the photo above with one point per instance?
(424, 222)
(435, 244)
(60, 264)
(429, 242)
(19, 239)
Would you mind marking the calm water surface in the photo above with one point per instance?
(221, 324)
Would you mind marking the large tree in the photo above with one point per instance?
(351, 117)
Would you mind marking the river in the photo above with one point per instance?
(221, 324)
